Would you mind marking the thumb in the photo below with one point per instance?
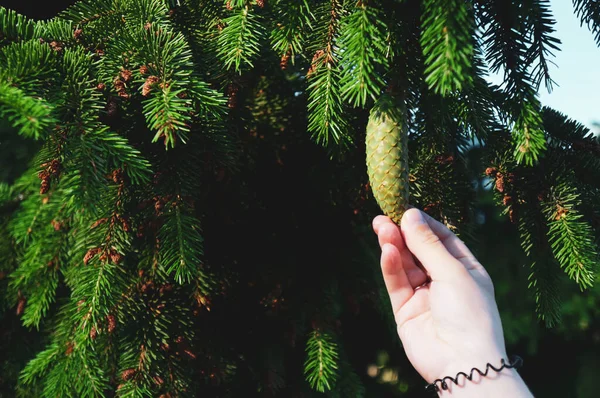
(427, 247)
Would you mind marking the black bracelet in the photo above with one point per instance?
(515, 362)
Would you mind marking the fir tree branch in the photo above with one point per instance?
(239, 41)
(506, 43)
(16, 27)
(447, 45)
(29, 66)
(528, 131)
(321, 365)
(293, 18)
(363, 42)
(30, 116)
(326, 119)
(543, 43)
(181, 256)
(589, 13)
(571, 238)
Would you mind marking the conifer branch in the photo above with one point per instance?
(446, 40)
(543, 43)
(325, 111)
(239, 41)
(506, 42)
(363, 46)
(16, 27)
(589, 13)
(30, 116)
(321, 367)
(294, 19)
(181, 256)
(569, 236)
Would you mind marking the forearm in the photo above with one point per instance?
(507, 383)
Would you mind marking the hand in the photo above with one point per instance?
(446, 313)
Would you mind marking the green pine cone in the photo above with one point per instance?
(387, 156)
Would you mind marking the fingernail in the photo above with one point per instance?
(414, 216)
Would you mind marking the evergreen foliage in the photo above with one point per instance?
(178, 184)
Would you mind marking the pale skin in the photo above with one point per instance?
(444, 307)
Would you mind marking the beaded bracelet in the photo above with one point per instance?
(515, 362)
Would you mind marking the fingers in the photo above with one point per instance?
(388, 232)
(396, 281)
(428, 248)
(455, 246)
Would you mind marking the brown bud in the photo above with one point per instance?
(143, 70)
(126, 75)
(44, 186)
(561, 212)
(260, 3)
(54, 167)
(21, 305)
(56, 46)
(93, 333)
(507, 200)
(111, 323)
(283, 63)
(228, 5)
(101, 86)
(119, 84)
(90, 254)
(43, 175)
(159, 205)
(99, 52)
(117, 176)
(115, 256)
(147, 87)
(56, 225)
(77, 33)
(158, 380)
(69, 349)
(491, 171)
(512, 215)
(500, 182)
(128, 374)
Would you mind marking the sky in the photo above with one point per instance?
(577, 73)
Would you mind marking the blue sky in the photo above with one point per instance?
(577, 73)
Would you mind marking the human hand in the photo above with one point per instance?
(445, 312)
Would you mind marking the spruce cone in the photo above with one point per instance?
(387, 156)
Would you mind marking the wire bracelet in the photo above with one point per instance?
(515, 362)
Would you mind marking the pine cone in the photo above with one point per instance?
(387, 156)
